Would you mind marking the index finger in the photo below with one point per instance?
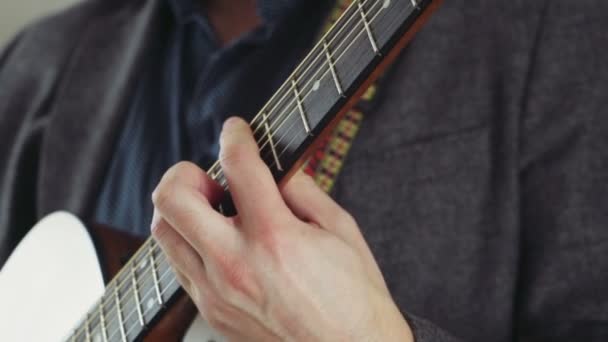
(253, 189)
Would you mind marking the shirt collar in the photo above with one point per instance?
(271, 11)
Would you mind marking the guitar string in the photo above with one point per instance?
(349, 19)
(291, 115)
(289, 109)
(342, 54)
(318, 56)
(120, 286)
(318, 70)
(150, 294)
(286, 88)
(150, 290)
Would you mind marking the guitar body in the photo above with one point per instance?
(59, 271)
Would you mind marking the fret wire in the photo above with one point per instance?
(293, 122)
(272, 146)
(94, 334)
(121, 324)
(290, 115)
(102, 316)
(281, 116)
(129, 265)
(136, 295)
(285, 118)
(334, 33)
(332, 68)
(155, 279)
(285, 90)
(216, 174)
(150, 293)
(146, 258)
(122, 272)
(338, 27)
(162, 276)
(223, 181)
(102, 319)
(300, 106)
(149, 243)
(103, 300)
(367, 28)
(87, 329)
(215, 168)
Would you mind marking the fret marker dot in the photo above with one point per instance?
(143, 264)
(150, 303)
(316, 85)
(386, 3)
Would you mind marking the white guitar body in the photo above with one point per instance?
(52, 279)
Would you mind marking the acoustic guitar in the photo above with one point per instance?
(52, 286)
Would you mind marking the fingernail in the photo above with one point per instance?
(155, 221)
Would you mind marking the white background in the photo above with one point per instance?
(14, 14)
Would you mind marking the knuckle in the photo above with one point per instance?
(268, 231)
(275, 243)
(163, 195)
(233, 272)
(174, 176)
(183, 169)
(238, 280)
(268, 237)
(160, 231)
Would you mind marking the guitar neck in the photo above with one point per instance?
(366, 38)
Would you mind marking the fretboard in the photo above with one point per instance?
(300, 110)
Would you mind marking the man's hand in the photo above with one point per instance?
(292, 265)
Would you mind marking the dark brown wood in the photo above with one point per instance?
(114, 249)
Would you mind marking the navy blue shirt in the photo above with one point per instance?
(189, 87)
